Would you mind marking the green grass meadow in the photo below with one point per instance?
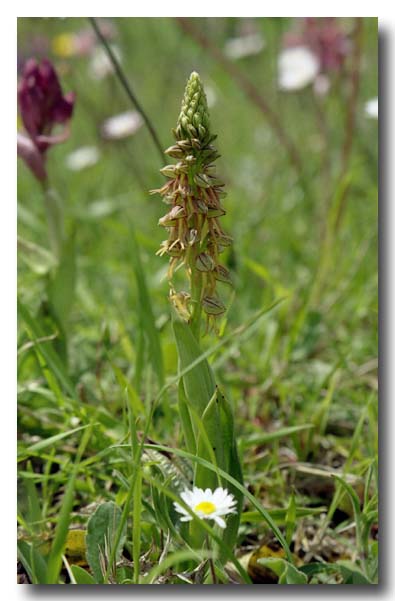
(99, 432)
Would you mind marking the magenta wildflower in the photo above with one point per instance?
(42, 106)
(324, 37)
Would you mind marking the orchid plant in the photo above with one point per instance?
(43, 107)
(195, 242)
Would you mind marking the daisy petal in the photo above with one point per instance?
(218, 520)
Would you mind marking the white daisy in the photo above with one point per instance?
(245, 45)
(207, 504)
(122, 125)
(83, 157)
(298, 67)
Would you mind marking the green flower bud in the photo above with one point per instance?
(194, 116)
(197, 120)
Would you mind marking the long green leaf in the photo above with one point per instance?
(55, 558)
(199, 382)
(48, 442)
(265, 437)
(33, 562)
(146, 313)
(81, 576)
(61, 286)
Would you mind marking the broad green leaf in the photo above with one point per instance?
(199, 382)
(61, 286)
(349, 575)
(101, 530)
(211, 406)
(81, 576)
(185, 417)
(33, 514)
(33, 562)
(286, 572)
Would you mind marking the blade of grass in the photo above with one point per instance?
(260, 439)
(174, 558)
(51, 358)
(43, 444)
(55, 556)
(137, 526)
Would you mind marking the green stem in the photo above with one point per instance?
(54, 213)
(196, 275)
(196, 294)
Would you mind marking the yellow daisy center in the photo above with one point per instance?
(205, 507)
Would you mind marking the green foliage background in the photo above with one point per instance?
(312, 360)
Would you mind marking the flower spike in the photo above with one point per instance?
(195, 237)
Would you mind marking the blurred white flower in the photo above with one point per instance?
(100, 65)
(122, 125)
(83, 157)
(298, 67)
(207, 504)
(372, 108)
(245, 45)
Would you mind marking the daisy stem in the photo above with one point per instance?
(211, 562)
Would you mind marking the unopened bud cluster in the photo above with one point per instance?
(193, 193)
